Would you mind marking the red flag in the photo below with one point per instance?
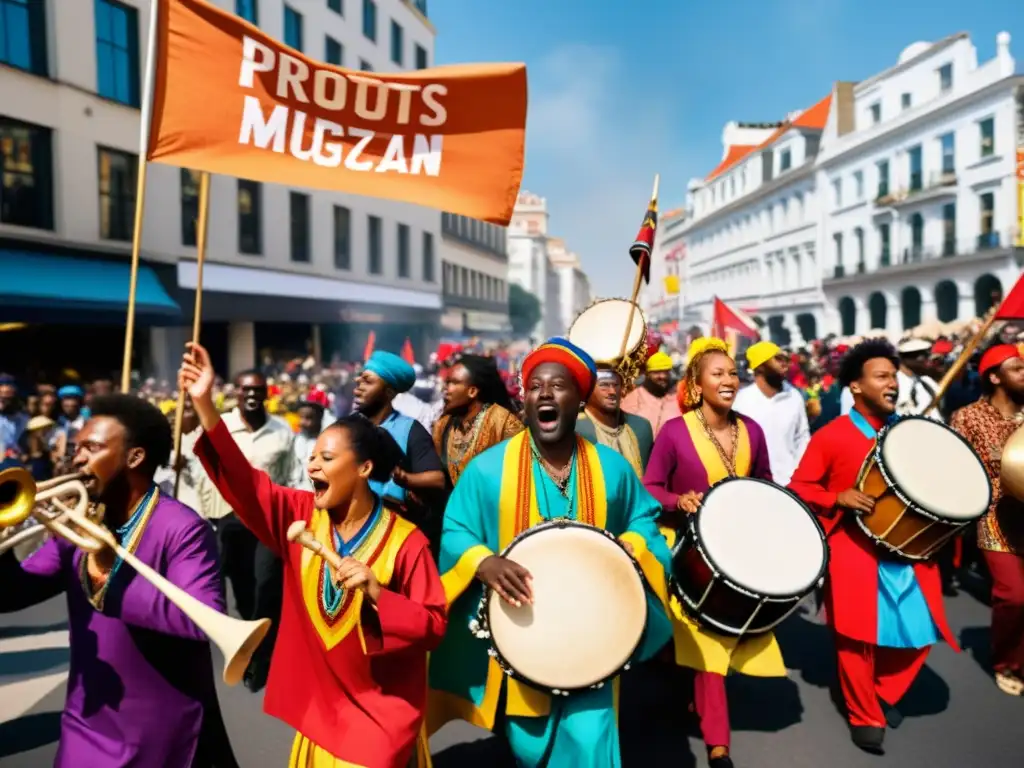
(371, 342)
(407, 353)
(1012, 307)
(641, 249)
(730, 324)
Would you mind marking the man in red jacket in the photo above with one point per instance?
(885, 613)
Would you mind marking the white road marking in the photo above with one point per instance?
(19, 697)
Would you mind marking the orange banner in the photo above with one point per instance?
(230, 99)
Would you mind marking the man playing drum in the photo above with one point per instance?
(885, 614)
(544, 473)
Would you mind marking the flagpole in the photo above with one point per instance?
(636, 283)
(965, 355)
(140, 194)
(197, 314)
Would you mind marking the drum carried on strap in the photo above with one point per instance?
(588, 614)
(928, 484)
(599, 330)
(747, 557)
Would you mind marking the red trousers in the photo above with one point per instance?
(1007, 571)
(712, 707)
(868, 673)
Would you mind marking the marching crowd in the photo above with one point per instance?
(798, 419)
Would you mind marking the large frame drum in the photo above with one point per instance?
(599, 330)
(928, 484)
(751, 553)
(588, 614)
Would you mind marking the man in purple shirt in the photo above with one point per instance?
(140, 687)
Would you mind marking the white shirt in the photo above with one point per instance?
(409, 405)
(783, 419)
(268, 448)
(910, 388)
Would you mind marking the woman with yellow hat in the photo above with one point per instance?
(709, 443)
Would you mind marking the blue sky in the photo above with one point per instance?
(617, 95)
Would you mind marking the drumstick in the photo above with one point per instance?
(300, 534)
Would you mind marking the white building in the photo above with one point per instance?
(917, 165)
(752, 234)
(573, 284)
(890, 203)
(310, 268)
(528, 263)
(474, 269)
(661, 298)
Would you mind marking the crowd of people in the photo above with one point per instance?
(419, 480)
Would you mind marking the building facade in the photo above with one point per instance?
(529, 265)
(918, 169)
(287, 269)
(573, 283)
(474, 269)
(890, 203)
(662, 298)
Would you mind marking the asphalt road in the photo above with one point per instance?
(955, 716)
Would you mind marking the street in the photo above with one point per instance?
(955, 716)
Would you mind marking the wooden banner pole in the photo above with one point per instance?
(197, 314)
(961, 361)
(637, 281)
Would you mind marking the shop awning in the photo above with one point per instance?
(41, 287)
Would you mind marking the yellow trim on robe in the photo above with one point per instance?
(383, 567)
(458, 579)
(695, 646)
(306, 754)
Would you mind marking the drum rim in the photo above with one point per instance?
(902, 495)
(643, 320)
(693, 520)
(483, 609)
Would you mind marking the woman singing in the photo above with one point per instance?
(709, 443)
(349, 668)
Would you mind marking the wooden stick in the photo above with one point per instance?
(637, 280)
(299, 533)
(197, 314)
(961, 361)
(133, 283)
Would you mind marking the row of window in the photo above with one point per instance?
(470, 284)
(480, 234)
(916, 179)
(334, 53)
(944, 77)
(915, 251)
(26, 200)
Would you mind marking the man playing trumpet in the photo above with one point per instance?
(140, 688)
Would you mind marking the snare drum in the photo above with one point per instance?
(747, 557)
(928, 484)
(588, 614)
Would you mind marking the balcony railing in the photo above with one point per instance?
(936, 185)
(988, 241)
(839, 271)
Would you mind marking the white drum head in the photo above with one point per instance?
(935, 469)
(761, 538)
(588, 615)
(599, 329)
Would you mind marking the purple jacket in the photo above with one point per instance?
(141, 690)
(675, 467)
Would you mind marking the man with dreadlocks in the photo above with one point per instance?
(478, 413)
(709, 443)
(884, 614)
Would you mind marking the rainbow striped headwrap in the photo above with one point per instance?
(580, 365)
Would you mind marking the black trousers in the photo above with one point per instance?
(256, 575)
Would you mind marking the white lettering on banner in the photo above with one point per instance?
(368, 99)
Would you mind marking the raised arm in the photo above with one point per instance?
(265, 509)
(411, 612)
(192, 565)
(33, 581)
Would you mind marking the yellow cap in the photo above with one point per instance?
(760, 353)
(659, 361)
(704, 343)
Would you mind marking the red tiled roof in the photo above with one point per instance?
(732, 156)
(812, 118)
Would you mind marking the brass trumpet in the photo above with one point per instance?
(21, 497)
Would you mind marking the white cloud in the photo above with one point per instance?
(596, 135)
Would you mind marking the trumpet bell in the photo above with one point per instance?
(1011, 467)
(17, 496)
(238, 642)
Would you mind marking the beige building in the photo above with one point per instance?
(474, 270)
(287, 268)
(573, 284)
(529, 265)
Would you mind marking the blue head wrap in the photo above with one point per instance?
(395, 372)
(71, 390)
